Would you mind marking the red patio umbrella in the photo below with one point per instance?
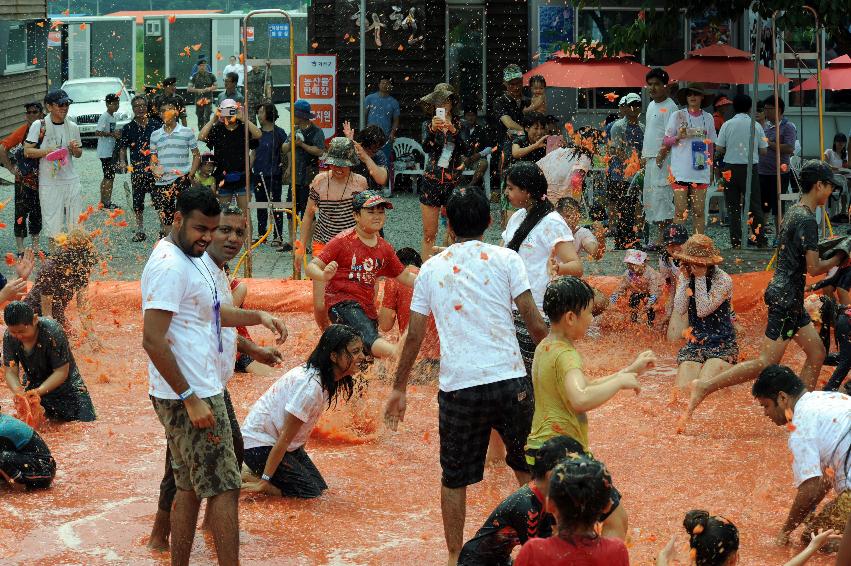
(837, 76)
(571, 71)
(720, 64)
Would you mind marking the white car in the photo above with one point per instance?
(89, 102)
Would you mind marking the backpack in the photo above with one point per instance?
(26, 165)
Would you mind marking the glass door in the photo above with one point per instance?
(465, 53)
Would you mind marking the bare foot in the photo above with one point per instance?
(158, 544)
(698, 394)
(248, 476)
(160, 532)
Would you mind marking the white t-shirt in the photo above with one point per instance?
(174, 282)
(58, 136)
(559, 166)
(581, 237)
(470, 288)
(235, 68)
(298, 392)
(106, 123)
(734, 138)
(228, 354)
(536, 249)
(833, 159)
(700, 129)
(821, 438)
(654, 129)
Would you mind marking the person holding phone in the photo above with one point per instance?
(446, 149)
(704, 293)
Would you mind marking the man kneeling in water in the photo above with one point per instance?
(522, 515)
(25, 460)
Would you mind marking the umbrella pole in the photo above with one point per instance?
(749, 178)
(819, 92)
(779, 215)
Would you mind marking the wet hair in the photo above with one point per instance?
(829, 313)
(614, 116)
(533, 118)
(371, 136)
(538, 79)
(201, 199)
(471, 108)
(552, 452)
(232, 210)
(232, 77)
(566, 294)
(552, 119)
(169, 101)
(270, 111)
(334, 340)
(18, 312)
(409, 256)
(568, 204)
(385, 77)
(780, 104)
(141, 97)
(714, 539)
(742, 103)
(840, 138)
(468, 212)
(581, 489)
(657, 73)
(760, 106)
(528, 177)
(77, 256)
(776, 379)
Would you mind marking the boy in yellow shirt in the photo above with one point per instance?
(563, 395)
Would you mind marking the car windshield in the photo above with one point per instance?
(94, 91)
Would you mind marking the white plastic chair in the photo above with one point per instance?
(714, 193)
(407, 146)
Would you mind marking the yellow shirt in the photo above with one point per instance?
(554, 414)
(208, 182)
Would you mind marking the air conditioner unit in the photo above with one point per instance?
(153, 28)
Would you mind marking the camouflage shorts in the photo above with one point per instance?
(833, 515)
(203, 458)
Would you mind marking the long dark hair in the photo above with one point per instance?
(335, 340)
(829, 311)
(581, 489)
(529, 177)
(714, 539)
(840, 137)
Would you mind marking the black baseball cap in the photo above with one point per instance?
(169, 81)
(816, 170)
(57, 96)
(111, 97)
(370, 199)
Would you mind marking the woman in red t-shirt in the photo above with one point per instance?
(580, 491)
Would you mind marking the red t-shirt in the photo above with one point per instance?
(16, 138)
(555, 551)
(358, 268)
(397, 297)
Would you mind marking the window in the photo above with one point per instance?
(465, 53)
(596, 24)
(16, 48)
(153, 28)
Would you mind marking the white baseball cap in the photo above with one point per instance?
(629, 99)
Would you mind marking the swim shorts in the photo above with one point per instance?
(108, 167)
(203, 459)
(785, 318)
(352, 314)
(433, 193)
(696, 352)
(466, 417)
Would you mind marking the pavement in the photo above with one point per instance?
(125, 259)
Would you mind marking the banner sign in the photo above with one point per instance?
(316, 82)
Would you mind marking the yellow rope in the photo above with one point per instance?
(263, 238)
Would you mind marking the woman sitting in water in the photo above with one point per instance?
(280, 422)
(714, 541)
(704, 293)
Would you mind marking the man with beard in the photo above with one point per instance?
(183, 318)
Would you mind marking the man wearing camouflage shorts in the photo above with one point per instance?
(183, 317)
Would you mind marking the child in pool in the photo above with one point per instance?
(643, 283)
(714, 541)
(580, 491)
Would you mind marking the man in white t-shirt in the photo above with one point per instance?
(470, 289)
(58, 182)
(658, 195)
(183, 318)
(106, 134)
(820, 440)
(234, 67)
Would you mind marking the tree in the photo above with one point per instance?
(653, 22)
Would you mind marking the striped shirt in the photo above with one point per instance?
(173, 151)
(333, 197)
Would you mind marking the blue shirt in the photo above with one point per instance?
(267, 156)
(138, 139)
(788, 135)
(17, 432)
(381, 111)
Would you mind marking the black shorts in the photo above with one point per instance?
(352, 314)
(466, 417)
(142, 182)
(433, 193)
(108, 166)
(164, 198)
(784, 319)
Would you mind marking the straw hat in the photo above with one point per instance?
(441, 93)
(341, 152)
(699, 250)
(698, 88)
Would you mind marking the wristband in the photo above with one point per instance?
(186, 394)
(265, 477)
